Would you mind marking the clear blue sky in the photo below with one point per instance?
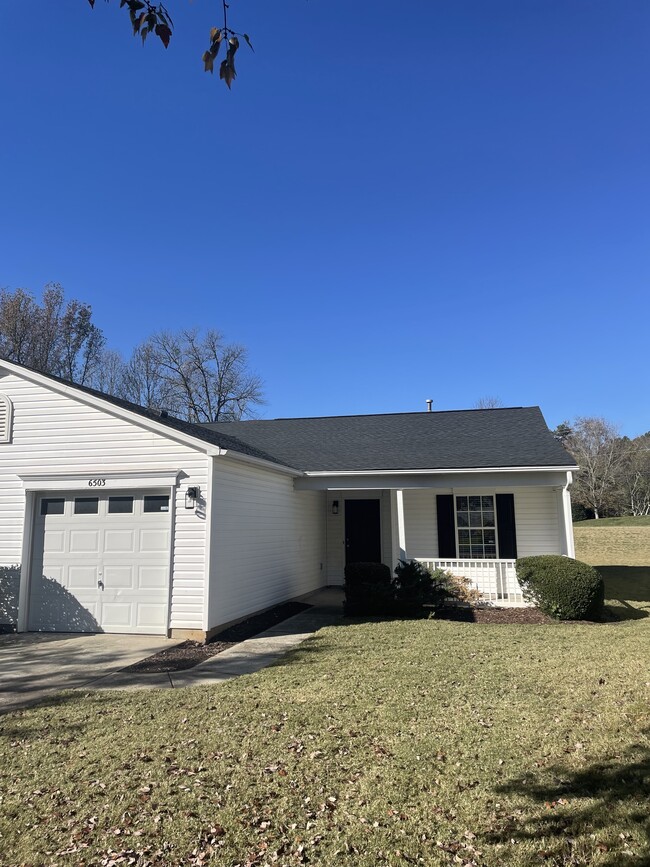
(396, 201)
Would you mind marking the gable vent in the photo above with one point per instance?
(5, 419)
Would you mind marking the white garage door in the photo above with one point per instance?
(100, 562)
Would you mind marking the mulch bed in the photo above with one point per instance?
(495, 615)
(191, 653)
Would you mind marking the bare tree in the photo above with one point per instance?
(598, 451)
(634, 475)
(488, 402)
(109, 374)
(54, 336)
(198, 378)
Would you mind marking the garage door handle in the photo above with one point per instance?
(100, 584)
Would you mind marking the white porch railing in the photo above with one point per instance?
(496, 580)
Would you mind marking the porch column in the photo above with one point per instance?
(568, 517)
(565, 518)
(401, 530)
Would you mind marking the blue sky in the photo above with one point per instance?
(396, 201)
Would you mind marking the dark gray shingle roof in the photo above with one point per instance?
(514, 437)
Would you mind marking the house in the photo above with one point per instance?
(122, 519)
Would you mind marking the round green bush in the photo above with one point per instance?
(564, 588)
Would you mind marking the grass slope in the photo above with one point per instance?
(608, 544)
(623, 521)
(372, 744)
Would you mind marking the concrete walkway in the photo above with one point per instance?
(247, 656)
(35, 665)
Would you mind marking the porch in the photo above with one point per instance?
(474, 525)
(495, 580)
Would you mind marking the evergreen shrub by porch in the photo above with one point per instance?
(368, 589)
(564, 588)
(415, 587)
(413, 591)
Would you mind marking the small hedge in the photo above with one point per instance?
(413, 592)
(561, 587)
(368, 589)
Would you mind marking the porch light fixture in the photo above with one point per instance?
(191, 496)
(335, 507)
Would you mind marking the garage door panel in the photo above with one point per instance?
(153, 577)
(154, 541)
(83, 541)
(97, 570)
(54, 541)
(116, 615)
(82, 578)
(148, 615)
(119, 577)
(119, 541)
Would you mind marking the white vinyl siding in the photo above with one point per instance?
(58, 433)
(267, 540)
(536, 520)
(336, 531)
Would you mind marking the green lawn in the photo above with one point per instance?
(398, 743)
(624, 521)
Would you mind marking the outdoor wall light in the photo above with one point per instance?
(335, 507)
(191, 496)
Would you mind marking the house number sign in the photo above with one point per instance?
(96, 483)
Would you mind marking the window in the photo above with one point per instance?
(52, 506)
(86, 505)
(5, 419)
(120, 505)
(156, 504)
(476, 527)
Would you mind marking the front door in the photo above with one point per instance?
(362, 531)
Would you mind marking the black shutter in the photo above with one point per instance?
(506, 526)
(446, 529)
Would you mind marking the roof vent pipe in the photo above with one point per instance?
(429, 404)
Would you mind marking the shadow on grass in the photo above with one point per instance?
(33, 720)
(607, 798)
(624, 586)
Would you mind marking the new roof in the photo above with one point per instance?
(457, 439)
(460, 439)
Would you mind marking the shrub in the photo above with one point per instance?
(415, 586)
(368, 589)
(564, 588)
(461, 589)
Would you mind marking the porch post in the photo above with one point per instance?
(401, 530)
(568, 517)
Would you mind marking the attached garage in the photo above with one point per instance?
(101, 562)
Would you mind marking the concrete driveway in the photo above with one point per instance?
(33, 665)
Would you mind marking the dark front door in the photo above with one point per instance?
(362, 531)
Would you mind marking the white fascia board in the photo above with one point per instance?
(114, 409)
(260, 462)
(432, 472)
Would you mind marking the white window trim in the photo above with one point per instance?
(496, 522)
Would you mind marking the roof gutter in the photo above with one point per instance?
(437, 471)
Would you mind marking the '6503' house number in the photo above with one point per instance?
(96, 483)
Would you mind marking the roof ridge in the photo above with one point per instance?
(372, 414)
